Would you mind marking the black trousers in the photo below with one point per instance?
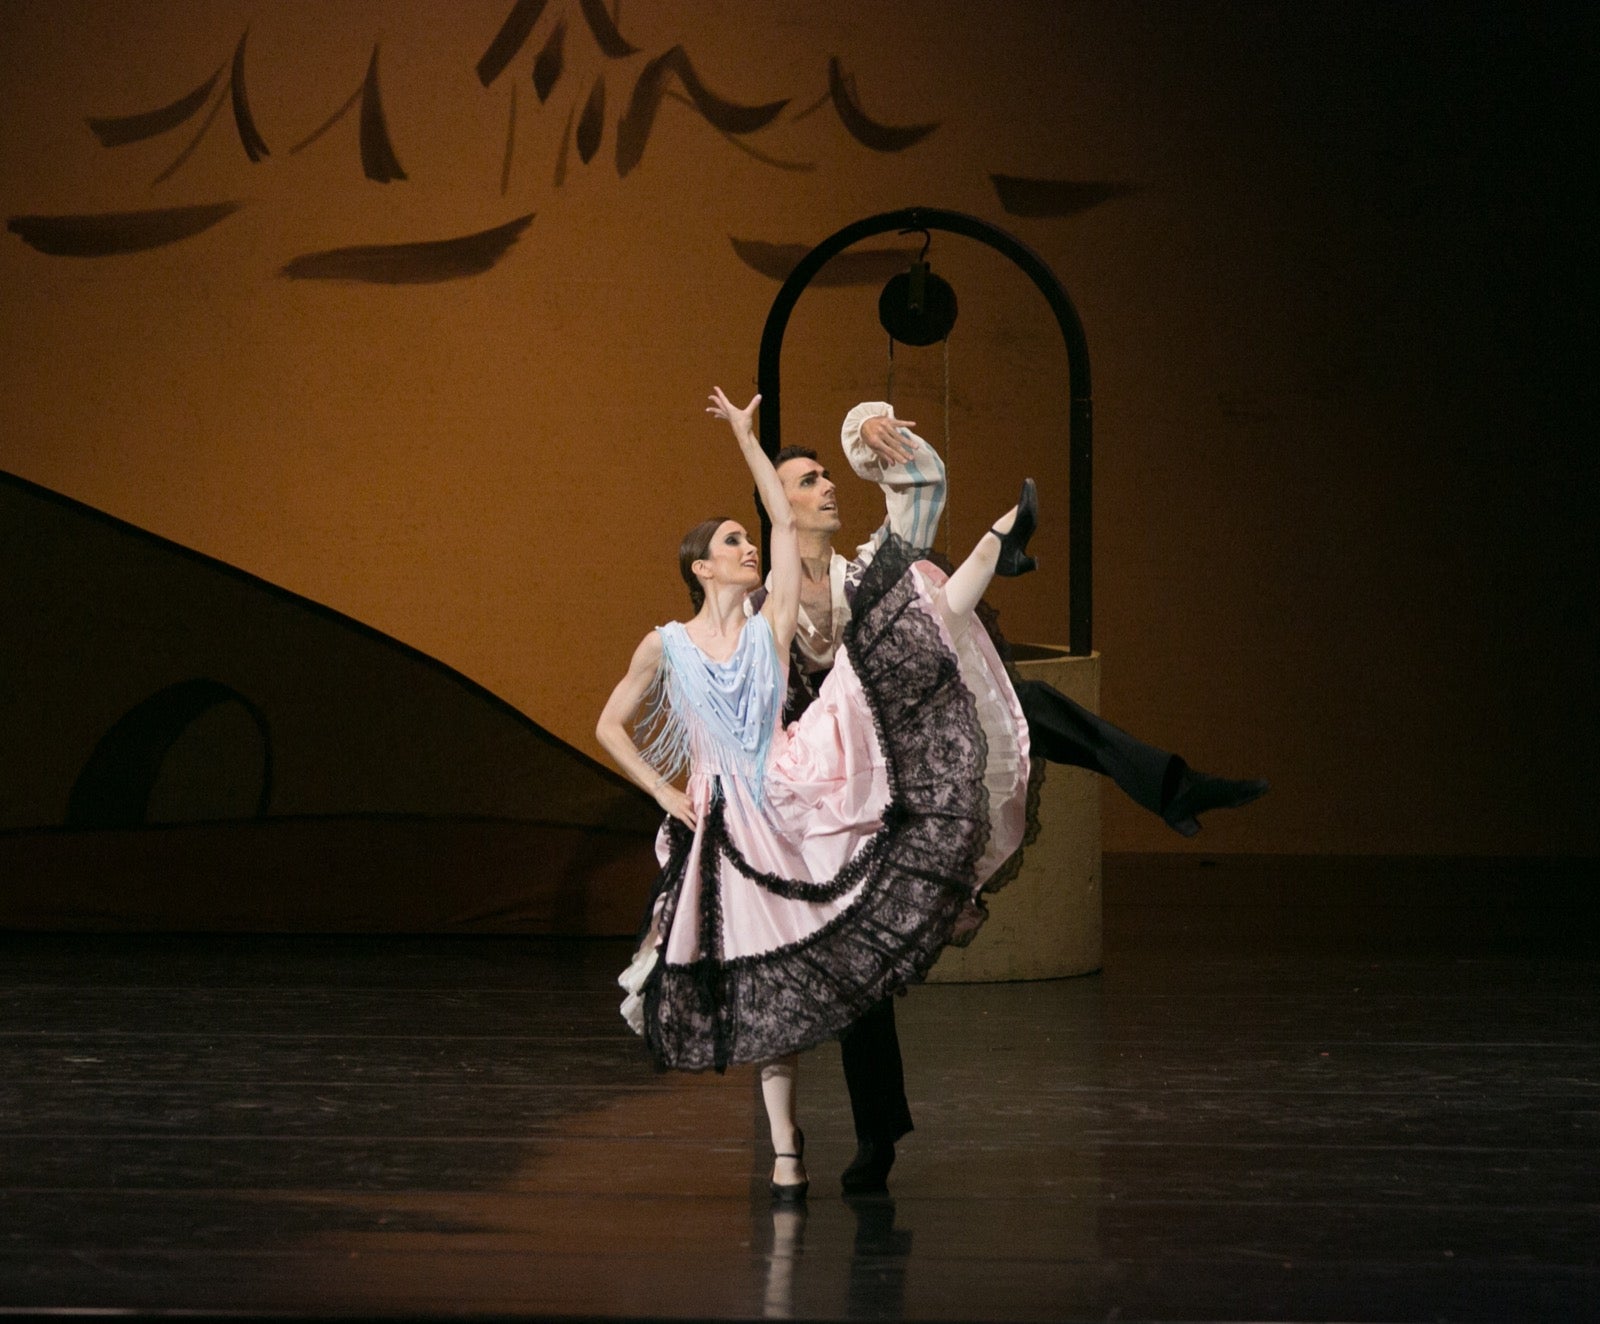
(1062, 731)
(1059, 731)
(875, 1076)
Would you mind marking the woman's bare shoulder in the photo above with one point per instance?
(649, 651)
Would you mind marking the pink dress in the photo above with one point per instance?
(832, 859)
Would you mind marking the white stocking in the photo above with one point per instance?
(971, 578)
(778, 1081)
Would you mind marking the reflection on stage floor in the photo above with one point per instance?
(1290, 1095)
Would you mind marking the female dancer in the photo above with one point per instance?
(808, 871)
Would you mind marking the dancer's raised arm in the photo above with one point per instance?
(882, 449)
(783, 601)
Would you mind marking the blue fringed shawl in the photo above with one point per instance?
(716, 714)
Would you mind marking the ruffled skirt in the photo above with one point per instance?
(783, 917)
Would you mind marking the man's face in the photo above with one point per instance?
(811, 495)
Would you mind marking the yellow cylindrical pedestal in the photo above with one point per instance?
(1046, 923)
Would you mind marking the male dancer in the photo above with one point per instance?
(882, 449)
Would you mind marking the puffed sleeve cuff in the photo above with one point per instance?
(862, 460)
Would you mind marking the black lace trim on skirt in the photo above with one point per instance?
(795, 889)
(918, 871)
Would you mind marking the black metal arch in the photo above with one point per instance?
(1080, 415)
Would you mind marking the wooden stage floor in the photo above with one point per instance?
(1358, 1090)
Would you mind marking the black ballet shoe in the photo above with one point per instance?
(788, 1193)
(868, 1173)
(791, 1192)
(1014, 558)
(1199, 792)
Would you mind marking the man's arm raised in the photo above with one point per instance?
(882, 449)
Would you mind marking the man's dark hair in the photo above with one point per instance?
(794, 453)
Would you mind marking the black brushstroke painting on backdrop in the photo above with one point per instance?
(424, 263)
(106, 234)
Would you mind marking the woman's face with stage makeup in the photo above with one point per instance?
(732, 557)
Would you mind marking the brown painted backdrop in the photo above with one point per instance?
(1327, 257)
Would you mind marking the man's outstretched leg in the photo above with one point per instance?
(870, 1050)
(1063, 731)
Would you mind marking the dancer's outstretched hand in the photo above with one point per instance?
(742, 421)
(881, 433)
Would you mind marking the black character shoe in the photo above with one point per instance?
(791, 1192)
(1014, 558)
(868, 1172)
(1199, 792)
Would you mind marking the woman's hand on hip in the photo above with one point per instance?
(675, 803)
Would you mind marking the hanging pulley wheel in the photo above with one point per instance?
(917, 307)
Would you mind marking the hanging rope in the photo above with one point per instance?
(888, 386)
(949, 459)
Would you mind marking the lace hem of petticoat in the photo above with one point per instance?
(917, 872)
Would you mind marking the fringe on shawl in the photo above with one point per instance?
(663, 735)
(660, 731)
